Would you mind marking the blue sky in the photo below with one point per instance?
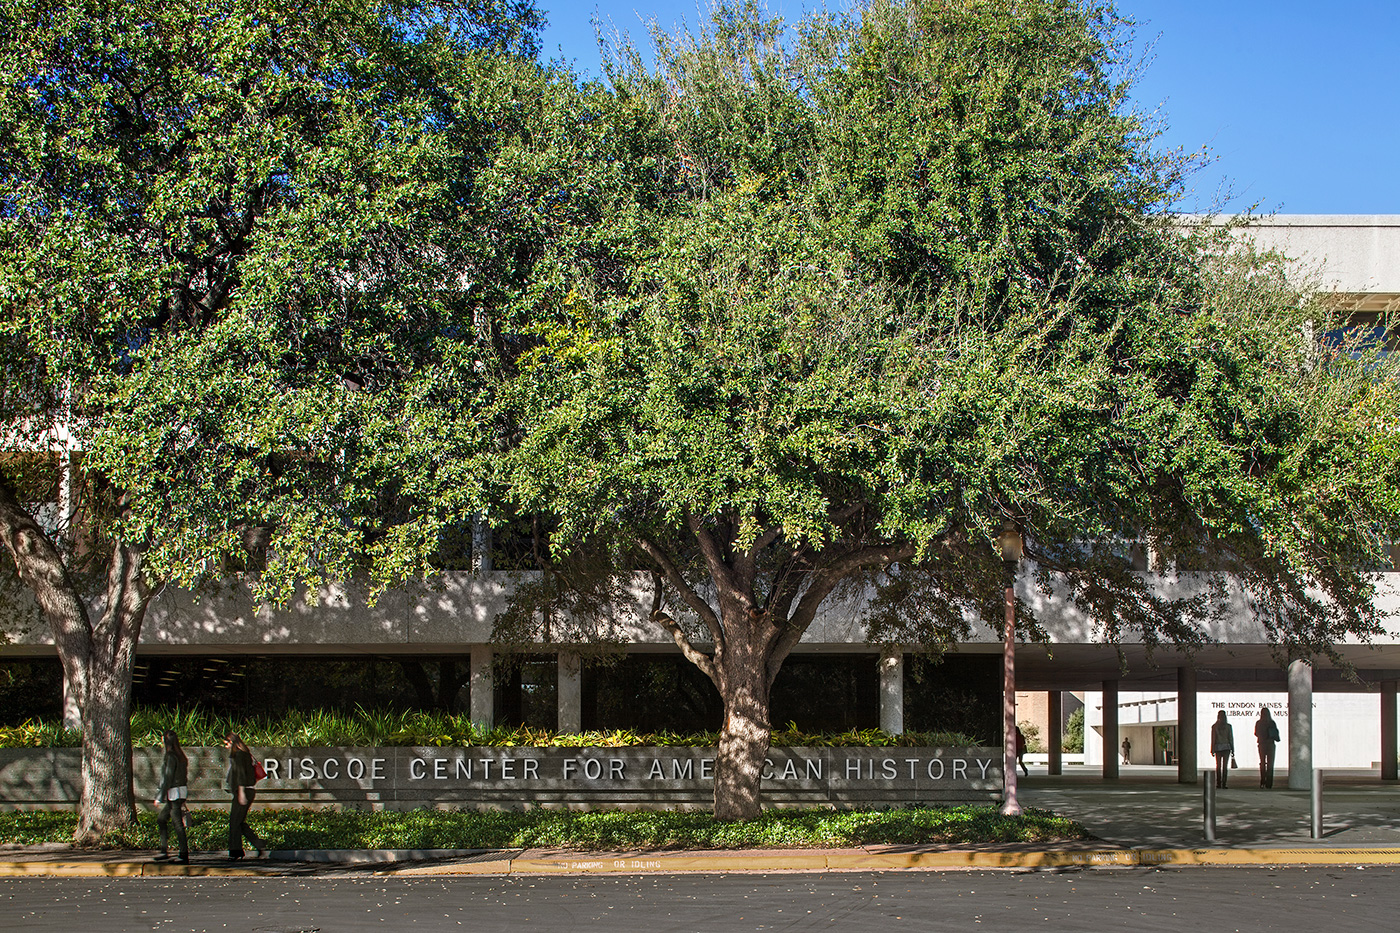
(1296, 100)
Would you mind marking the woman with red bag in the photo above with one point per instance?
(239, 781)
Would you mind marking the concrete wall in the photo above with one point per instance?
(458, 609)
(1354, 253)
(403, 778)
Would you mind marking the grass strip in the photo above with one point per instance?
(473, 829)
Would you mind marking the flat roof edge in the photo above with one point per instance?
(1303, 220)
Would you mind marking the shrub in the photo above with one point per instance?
(1032, 733)
(536, 828)
(1074, 732)
(197, 726)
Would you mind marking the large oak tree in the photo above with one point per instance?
(223, 225)
(899, 279)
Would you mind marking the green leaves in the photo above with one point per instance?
(910, 274)
(448, 829)
(342, 276)
(239, 241)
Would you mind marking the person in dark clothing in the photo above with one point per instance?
(1222, 745)
(239, 782)
(173, 792)
(1266, 734)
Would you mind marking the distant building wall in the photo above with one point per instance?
(1346, 726)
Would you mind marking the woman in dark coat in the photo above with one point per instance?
(239, 781)
(173, 792)
(1266, 734)
(1222, 746)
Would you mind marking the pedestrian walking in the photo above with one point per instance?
(1266, 734)
(1127, 748)
(1021, 751)
(173, 793)
(239, 782)
(1222, 745)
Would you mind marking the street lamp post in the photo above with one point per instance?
(1012, 548)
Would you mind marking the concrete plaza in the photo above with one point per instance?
(1146, 807)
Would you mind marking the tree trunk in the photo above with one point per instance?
(743, 742)
(107, 801)
(74, 689)
(97, 659)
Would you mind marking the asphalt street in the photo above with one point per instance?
(1147, 899)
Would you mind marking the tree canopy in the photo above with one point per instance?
(225, 224)
(904, 277)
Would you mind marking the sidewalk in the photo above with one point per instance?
(1146, 808)
(1143, 819)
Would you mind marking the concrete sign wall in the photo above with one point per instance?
(515, 778)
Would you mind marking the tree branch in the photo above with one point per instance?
(720, 570)
(766, 538)
(735, 599)
(822, 582)
(676, 579)
(692, 654)
(42, 568)
(787, 583)
(127, 596)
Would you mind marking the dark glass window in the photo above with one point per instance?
(649, 693)
(960, 693)
(527, 692)
(827, 693)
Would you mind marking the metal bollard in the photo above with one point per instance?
(1317, 803)
(1208, 785)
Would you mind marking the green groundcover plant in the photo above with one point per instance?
(362, 728)
(469, 829)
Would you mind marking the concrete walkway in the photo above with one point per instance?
(1147, 808)
(1143, 818)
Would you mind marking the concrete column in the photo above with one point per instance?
(481, 546)
(1186, 725)
(1010, 806)
(1300, 706)
(1055, 729)
(892, 690)
(66, 533)
(483, 688)
(1388, 736)
(1110, 730)
(570, 693)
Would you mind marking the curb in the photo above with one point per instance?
(480, 862)
(127, 869)
(910, 861)
(376, 856)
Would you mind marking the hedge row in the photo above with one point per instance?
(536, 828)
(378, 728)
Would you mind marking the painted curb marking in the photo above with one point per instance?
(751, 862)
